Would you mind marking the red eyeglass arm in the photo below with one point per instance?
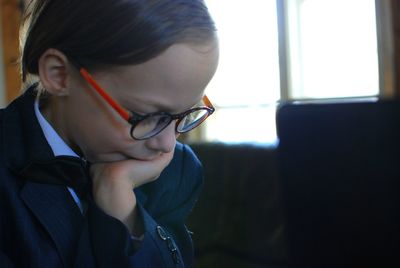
(207, 102)
(104, 94)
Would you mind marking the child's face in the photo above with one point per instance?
(172, 82)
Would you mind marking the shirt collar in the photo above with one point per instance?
(56, 143)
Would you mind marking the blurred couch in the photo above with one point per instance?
(238, 220)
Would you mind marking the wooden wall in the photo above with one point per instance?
(10, 29)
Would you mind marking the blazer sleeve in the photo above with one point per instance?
(184, 197)
(167, 242)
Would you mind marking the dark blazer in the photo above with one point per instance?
(41, 225)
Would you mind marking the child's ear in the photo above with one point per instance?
(54, 71)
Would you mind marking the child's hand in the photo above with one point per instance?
(113, 185)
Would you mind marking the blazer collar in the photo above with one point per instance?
(23, 142)
(23, 139)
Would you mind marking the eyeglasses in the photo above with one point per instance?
(149, 125)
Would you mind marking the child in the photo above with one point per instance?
(90, 171)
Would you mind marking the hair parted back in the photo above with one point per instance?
(110, 32)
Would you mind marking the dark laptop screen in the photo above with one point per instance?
(340, 170)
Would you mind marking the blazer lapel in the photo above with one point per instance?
(55, 209)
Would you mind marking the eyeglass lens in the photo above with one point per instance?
(192, 120)
(154, 124)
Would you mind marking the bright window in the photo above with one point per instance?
(324, 49)
(246, 86)
(333, 48)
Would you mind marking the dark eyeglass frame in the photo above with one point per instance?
(134, 118)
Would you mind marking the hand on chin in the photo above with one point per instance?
(131, 173)
(113, 184)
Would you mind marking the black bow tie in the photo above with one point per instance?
(60, 170)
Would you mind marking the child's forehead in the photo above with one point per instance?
(172, 82)
(180, 66)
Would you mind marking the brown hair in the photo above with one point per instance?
(110, 32)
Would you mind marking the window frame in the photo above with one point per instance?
(287, 12)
